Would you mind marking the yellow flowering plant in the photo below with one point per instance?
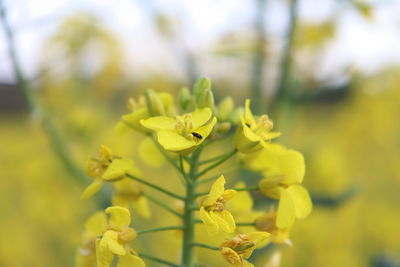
(184, 135)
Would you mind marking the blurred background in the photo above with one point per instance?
(326, 71)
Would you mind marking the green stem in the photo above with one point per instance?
(211, 159)
(205, 246)
(212, 178)
(216, 164)
(188, 215)
(165, 191)
(155, 259)
(245, 224)
(285, 67)
(182, 170)
(162, 205)
(254, 188)
(160, 229)
(54, 137)
(162, 151)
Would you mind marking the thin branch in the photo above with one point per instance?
(165, 191)
(54, 137)
(162, 205)
(160, 229)
(155, 259)
(285, 67)
(166, 156)
(211, 159)
(254, 188)
(212, 178)
(204, 246)
(222, 160)
(259, 57)
(245, 224)
(182, 170)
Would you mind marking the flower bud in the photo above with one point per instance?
(223, 127)
(184, 98)
(225, 108)
(127, 235)
(154, 104)
(200, 85)
(206, 99)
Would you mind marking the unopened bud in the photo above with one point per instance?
(206, 99)
(225, 108)
(235, 115)
(154, 104)
(184, 98)
(200, 85)
(224, 127)
(127, 235)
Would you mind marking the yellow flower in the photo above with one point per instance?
(128, 193)
(182, 133)
(212, 210)
(241, 207)
(253, 133)
(239, 248)
(107, 168)
(267, 223)
(86, 254)
(109, 238)
(284, 170)
(158, 104)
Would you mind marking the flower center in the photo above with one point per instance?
(218, 206)
(184, 125)
(262, 125)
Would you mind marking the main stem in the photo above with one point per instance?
(188, 215)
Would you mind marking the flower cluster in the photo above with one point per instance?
(184, 135)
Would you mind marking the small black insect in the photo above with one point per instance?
(197, 135)
(248, 125)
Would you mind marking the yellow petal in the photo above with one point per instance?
(105, 152)
(141, 206)
(130, 260)
(301, 200)
(248, 115)
(250, 135)
(205, 130)
(104, 256)
(133, 119)
(247, 264)
(232, 257)
(242, 202)
(118, 168)
(258, 237)
(229, 220)
(270, 187)
(226, 223)
(275, 159)
(119, 217)
(96, 224)
(92, 189)
(286, 212)
(200, 117)
(229, 194)
(159, 123)
(150, 154)
(109, 242)
(173, 141)
(211, 226)
(217, 189)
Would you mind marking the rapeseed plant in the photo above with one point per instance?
(179, 134)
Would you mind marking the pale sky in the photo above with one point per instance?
(368, 45)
